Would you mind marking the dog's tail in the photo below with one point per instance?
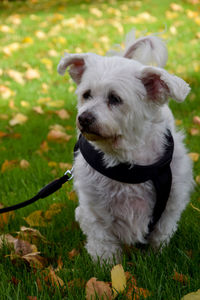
(149, 50)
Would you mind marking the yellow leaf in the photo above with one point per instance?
(98, 289)
(194, 156)
(40, 34)
(53, 210)
(118, 279)
(36, 218)
(56, 103)
(18, 119)
(197, 179)
(95, 11)
(192, 296)
(27, 40)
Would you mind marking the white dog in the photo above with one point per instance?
(126, 125)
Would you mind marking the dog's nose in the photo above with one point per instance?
(86, 119)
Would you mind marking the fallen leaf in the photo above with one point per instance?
(60, 264)
(32, 298)
(18, 119)
(35, 260)
(192, 296)
(194, 131)
(27, 40)
(7, 239)
(36, 218)
(98, 289)
(53, 210)
(31, 235)
(38, 110)
(180, 278)
(9, 165)
(176, 7)
(58, 136)
(64, 166)
(23, 247)
(194, 207)
(62, 114)
(9, 49)
(73, 253)
(51, 278)
(5, 92)
(31, 74)
(197, 179)
(3, 134)
(72, 196)
(96, 12)
(118, 279)
(40, 34)
(24, 164)
(196, 120)
(56, 103)
(16, 76)
(194, 156)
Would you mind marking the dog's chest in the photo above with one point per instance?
(127, 207)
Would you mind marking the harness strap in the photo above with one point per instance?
(159, 173)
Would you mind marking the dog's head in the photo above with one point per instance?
(118, 95)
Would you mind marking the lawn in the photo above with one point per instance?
(37, 135)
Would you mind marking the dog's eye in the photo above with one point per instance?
(87, 95)
(114, 99)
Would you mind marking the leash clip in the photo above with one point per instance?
(70, 174)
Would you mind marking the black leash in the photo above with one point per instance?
(46, 191)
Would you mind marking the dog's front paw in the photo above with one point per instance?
(104, 251)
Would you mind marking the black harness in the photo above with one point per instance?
(159, 173)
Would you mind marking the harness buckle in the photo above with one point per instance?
(70, 174)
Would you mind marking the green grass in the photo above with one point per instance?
(89, 33)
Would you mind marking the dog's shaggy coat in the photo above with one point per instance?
(123, 111)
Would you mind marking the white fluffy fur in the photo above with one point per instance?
(111, 213)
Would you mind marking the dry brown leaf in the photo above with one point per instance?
(18, 119)
(16, 76)
(134, 292)
(73, 253)
(60, 264)
(51, 278)
(38, 110)
(9, 165)
(35, 260)
(180, 277)
(62, 114)
(32, 298)
(58, 136)
(5, 92)
(118, 279)
(194, 131)
(76, 283)
(31, 74)
(64, 166)
(99, 289)
(31, 235)
(7, 239)
(3, 134)
(36, 218)
(24, 164)
(23, 247)
(196, 120)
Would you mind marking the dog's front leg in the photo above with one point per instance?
(101, 243)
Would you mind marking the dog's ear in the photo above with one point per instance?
(160, 85)
(149, 50)
(76, 62)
